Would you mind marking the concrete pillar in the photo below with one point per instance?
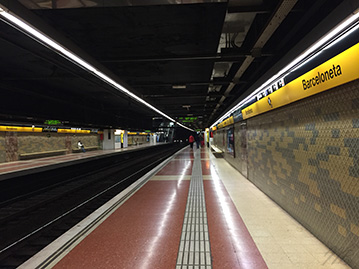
(153, 139)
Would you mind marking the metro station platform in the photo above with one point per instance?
(11, 169)
(194, 211)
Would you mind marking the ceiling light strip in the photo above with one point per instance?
(42, 38)
(326, 40)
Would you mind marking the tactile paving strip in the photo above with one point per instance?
(194, 251)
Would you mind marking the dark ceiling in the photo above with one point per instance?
(190, 58)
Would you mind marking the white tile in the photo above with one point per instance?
(301, 258)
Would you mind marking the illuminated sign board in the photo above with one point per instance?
(139, 133)
(52, 122)
(73, 131)
(188, 119)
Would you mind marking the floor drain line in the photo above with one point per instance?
(194, 250)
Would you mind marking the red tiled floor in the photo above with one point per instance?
(143, 233)
(204, 156)
(204, 153)
(231, 244)
(177, 167)
(188, 154)
(206, 167)
(21, 167)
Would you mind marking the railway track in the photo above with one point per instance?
(32, 218)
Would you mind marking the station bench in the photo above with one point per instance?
(34, 155)
(77, 150)
(216, 151)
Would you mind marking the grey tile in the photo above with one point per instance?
(191, 258)
(208, 259)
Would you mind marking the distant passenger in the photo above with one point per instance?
(201, 139)
(197, 138)
(81, 146)
(191, 140)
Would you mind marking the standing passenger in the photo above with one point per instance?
(191, 140)
(121, 136)
(197, 139)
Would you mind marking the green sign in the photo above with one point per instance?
(187, 119)
(52, 122)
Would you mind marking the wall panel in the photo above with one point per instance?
(305, 156)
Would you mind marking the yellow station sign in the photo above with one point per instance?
(73, 131)
(338, 70)
(20, 129)
(226, 122)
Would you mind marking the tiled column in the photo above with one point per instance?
(11, 146)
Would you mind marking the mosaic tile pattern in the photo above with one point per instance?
(2, 147)
(12, 144)
(137, 139)
(306, 158)
(91, 140)
(39, 142)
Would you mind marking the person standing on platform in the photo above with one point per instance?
(201, 140)
(197, 140)
(207, 139)
(191, 140)
(121, 139)
(81, 146)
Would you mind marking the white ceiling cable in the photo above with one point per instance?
(321, 44)
(37, 35)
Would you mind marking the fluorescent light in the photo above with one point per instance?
(58, 48)
(179, 87)
(320, 44)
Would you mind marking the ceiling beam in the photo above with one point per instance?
(218, 57)
(281, 12)
(250, 9)
(171, 96)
